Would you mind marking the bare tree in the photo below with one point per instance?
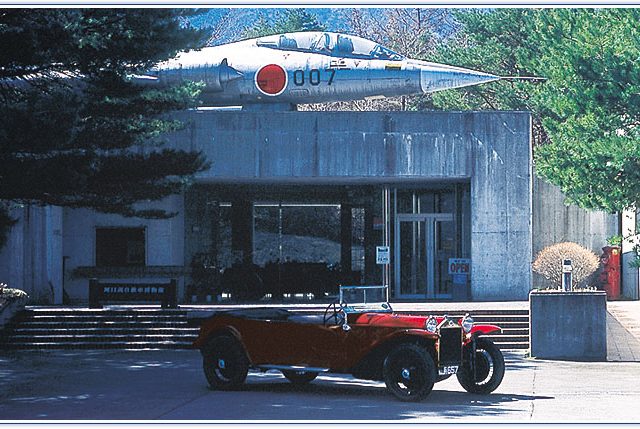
(413, 32)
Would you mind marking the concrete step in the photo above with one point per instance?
(122, 345)
(507, 332)
(104, 324)
(502, 338)
(123, 318)
(513, 345)
(77, 338)
(104, 331)
(91, 311)
(473, 313)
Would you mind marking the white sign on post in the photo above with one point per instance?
(383, 255)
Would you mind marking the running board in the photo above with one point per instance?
(293, 368)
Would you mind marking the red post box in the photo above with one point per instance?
(610, 275)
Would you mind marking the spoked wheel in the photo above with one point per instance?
(299, 377)
(333, 314)
(489, 368)
(225, 363)
(409, 372)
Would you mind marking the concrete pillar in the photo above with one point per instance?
(214, 219)
(53, 239)
(242, 230)
(370, 269)
(345, 237)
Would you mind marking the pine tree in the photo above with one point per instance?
(286, 21)
(73, 131)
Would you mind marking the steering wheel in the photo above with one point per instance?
(334, 312)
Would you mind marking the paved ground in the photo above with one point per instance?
(169, 385)
(623, 331)
(627, 313)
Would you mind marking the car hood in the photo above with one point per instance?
(391, 320)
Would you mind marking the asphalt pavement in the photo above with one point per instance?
(169, 385)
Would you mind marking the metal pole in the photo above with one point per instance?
(567, 269)
(386, 236)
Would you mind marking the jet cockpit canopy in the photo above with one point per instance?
(334, 44)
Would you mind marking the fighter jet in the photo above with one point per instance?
(306, 67)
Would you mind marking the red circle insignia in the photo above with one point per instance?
(271, 79)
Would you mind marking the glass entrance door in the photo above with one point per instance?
(423, 243)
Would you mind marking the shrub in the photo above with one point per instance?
(548, 263)
(6, 292)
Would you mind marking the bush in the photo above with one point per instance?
(548, 263)
(6, 292)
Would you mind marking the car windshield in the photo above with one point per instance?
(334, 44)
(361, 298)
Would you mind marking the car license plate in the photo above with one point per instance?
(448, 370)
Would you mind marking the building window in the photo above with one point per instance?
(120, 247)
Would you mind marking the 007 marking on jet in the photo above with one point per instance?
(313, 77)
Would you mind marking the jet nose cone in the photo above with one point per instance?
(438, 77)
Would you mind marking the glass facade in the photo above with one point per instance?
(292, 242)
(431, 227)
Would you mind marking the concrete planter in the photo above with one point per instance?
(568, 325)
(9, 309)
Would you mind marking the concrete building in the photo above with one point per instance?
(309, 196)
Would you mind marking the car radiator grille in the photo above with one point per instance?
(450, 350)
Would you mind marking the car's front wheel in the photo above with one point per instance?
(299, 377)
(409, 372)
(489, 368)
(225, 363)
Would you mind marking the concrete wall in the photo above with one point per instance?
(330, 146)
(164, 245)
(555, 222)
(31, 259)
(491, 149)
(501, 209)
(568, 325)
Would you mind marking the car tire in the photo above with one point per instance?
(409, 372)
(225, 363)
(299, 377)
(489, 368)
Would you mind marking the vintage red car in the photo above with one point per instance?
(409, 353)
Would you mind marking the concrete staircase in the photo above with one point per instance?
(153, 328)
(514, 323)
(515, 328)
(99, 329)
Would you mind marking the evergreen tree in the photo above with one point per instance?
(73, 131)
(587, 112)
(286, 21)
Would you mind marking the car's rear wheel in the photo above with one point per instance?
(409, 372)
(299, 377)
(489, 368)
(225, 363)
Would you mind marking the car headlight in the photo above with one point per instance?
(431, 324)
(467, 323)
